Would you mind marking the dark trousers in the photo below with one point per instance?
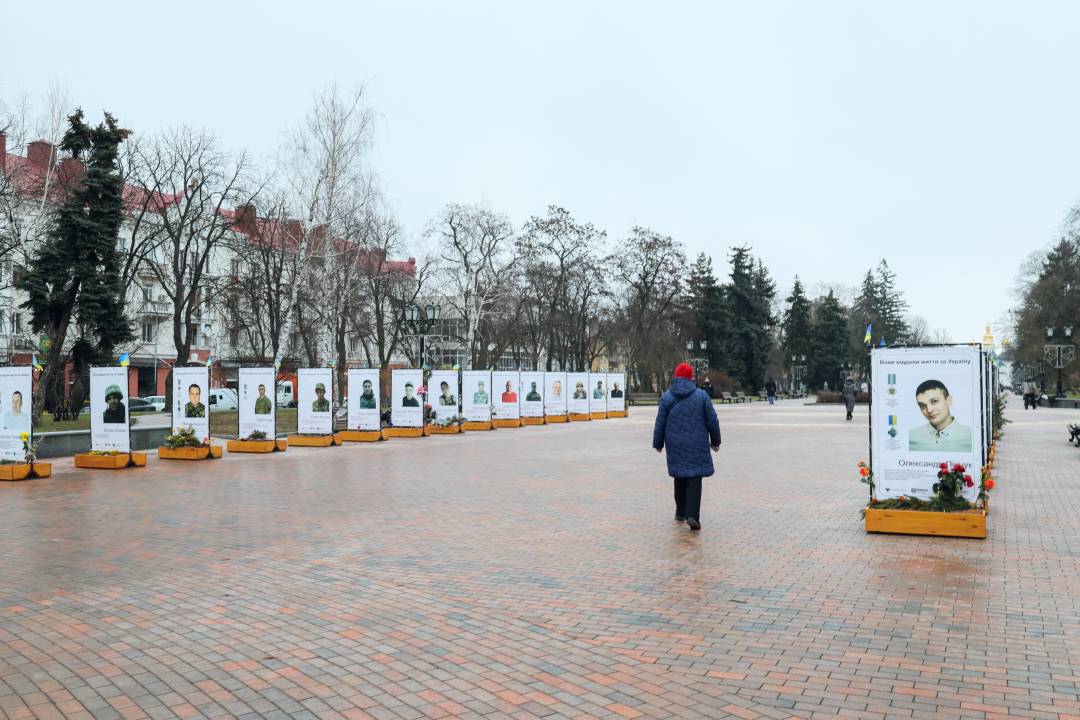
(688, 497)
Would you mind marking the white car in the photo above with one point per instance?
(158, 401)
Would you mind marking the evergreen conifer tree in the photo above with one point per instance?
(797, 323)
(829, 342)
(73, 281)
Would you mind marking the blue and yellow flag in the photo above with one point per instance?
(892, 420)
(882, 343)
(866, 337)
(124, 361)
(36, 363)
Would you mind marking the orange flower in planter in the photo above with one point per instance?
(989, 483)
(864, 471)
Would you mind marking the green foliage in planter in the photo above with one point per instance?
(184, 437)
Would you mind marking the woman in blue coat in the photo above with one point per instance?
(686, 425)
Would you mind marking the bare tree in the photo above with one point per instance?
(475, 247)
(189, 183)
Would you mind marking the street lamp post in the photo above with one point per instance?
(419, 322)
(1057, 355)
(797, 371)
(700, 364)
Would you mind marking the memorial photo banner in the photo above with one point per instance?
(256, 392)
(443, 395)
(927, 410)
(406, 405)
(190, 387)
(364, 402)
(597, 393)
(314, 401)
(108, 409)
(507, 401)
(531, 394)
(578, 385)
(616, 387)
(476, 395)
(16, 384)
(555, 393)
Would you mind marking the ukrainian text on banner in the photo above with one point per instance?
(406, 405)
(578, 403)
(476, 395)
(364, 401)
(314, 401)
(443, 396)
(616, 385)
(256, 393)
(555, 393)
(507, 405)
(15, 404)
(190, 386)
(532, 394)
(927, 410)
(109, 410)
(597, 392)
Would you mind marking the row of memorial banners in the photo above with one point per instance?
(931, 405)
(471, 396)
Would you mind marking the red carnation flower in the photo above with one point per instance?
(958, 468)
(945, 466)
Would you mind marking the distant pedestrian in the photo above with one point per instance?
(770, 390)
(708, 388)
(686, 425)
(1030, 398)
(848, 393)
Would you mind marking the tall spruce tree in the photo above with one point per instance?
(706, 309)
(73, 281)
(749, 298)
(797, 323)
(891, 306)
(829, 342)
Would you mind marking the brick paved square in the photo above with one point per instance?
(537, 573)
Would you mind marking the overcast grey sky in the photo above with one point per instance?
(943, 136)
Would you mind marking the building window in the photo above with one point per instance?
(234, 337)
(149, 330)
(354, 344)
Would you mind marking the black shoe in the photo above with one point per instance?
(680, 518)
(693, 523)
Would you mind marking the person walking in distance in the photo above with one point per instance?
(686, 425)
(770, 390)
(848, 393)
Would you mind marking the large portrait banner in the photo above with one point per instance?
(364, 401)
(256, 390)
(532, 394)
(616, 386)
(406, 405)
(15, 403)
(476, 395)
(578, 384)
(555, 393)
(443, 396)
(927, 410)
(314, 404)
(190, 386)
(507, 402)
(108, 409)
(597, 393)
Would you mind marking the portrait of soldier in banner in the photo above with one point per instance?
(409, 400)
(262, 403)
(509, 396)
(579, 392)
(15, 418)
(533, 395)
(942, 432)
(194, 407)
(480, 397)
(321, 402)
(367, 398)
(615, 391)
(446, 398)
(115, 411)
(556, 389)
(598, 391)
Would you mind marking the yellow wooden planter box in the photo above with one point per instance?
(616, 413)
(216, 451)
(311, 440)
(471, 425)
(251, 446)
(393, 432)
(360, 435)
(532, 421)
(598, 415)
(110, 462)
(549, 419)
(971, 524)
(442, 429)
(506, 422)
(183, 453)
(579, 417)
(25, 471)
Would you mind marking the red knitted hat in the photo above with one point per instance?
(683, 370)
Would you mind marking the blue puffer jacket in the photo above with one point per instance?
(686, 425)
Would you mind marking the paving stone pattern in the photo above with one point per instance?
(537, 573)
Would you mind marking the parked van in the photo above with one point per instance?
(285, 396)
(223, 399)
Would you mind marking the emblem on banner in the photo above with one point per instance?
(892, 426)
(891, 380)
